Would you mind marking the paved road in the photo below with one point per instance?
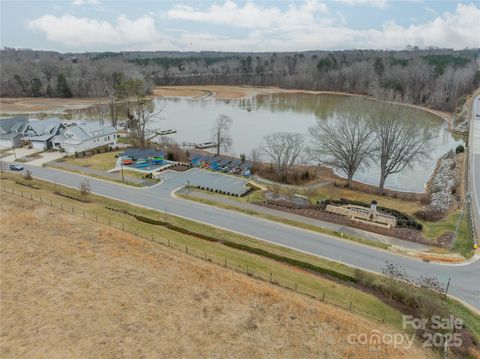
(307, 220)
(474, 180)
(465, 281)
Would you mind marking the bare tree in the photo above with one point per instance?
(283, 149)
(221, 133)
(395, 274)
(84, 187)
(345, 143)
(398, 146)
(28, 175)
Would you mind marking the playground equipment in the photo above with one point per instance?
(127, 161)
(141, 164)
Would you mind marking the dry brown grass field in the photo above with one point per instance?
(71, 288)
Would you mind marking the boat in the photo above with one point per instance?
(165, 132)
(204, 145)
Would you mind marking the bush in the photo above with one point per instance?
(459, 149)
(430, 215)
(151, 220)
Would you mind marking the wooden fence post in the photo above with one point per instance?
(186, 248)
(323, 296)
(270, 277)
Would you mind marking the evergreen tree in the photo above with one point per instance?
(63, 90)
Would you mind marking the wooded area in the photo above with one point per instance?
(439, 78)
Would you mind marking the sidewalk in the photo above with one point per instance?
(306, 220)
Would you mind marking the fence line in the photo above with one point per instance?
(319, 295)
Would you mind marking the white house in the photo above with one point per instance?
(79, 137)
(11, 131)
(39, 133)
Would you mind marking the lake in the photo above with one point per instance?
(253, 118)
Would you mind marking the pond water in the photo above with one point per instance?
(253, 118)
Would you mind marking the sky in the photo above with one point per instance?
(238, 25)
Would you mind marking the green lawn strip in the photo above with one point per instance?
(100, 161)
(464, 241)
(129, 183)
(471, 319)
(284, 220)
(258, 266)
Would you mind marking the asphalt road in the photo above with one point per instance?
(474, 180)
(465, 281)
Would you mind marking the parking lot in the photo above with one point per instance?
(203, 178)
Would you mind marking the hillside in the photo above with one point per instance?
(74, 288)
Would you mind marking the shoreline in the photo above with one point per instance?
(52, 105)
(232, 93)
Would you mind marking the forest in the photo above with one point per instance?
(438, 78)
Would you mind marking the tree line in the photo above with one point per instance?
(439, 78)
(356, 137)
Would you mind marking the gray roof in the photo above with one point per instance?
(85, 131)
(7, 125)
(36, 128)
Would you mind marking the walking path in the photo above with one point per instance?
(306, 220)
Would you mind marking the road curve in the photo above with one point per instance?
(464, 284)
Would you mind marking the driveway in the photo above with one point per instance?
(46, 157)
(12, 156)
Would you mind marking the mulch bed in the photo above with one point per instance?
(318, 212)
(180, 168)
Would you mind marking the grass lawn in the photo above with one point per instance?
(101, 161)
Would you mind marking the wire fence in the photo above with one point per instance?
(225, 262)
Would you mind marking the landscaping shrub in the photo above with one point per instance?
(151, 220)
(294, 262)
(429, 215)
(27, 185)
(459, 149)
(403, 220)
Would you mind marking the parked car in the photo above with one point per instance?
(15, 167)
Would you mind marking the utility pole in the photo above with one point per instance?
(448, 285)
(121, 166)
(14, 153)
